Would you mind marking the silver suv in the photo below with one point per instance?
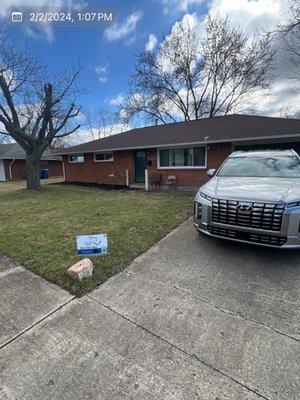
(254, 197)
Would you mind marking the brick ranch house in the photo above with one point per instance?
(185, 150)
(13, 163)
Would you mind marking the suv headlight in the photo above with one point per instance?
(197, 210)
(294, 204)
(205, 196)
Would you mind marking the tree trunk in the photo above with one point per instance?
(32, 174)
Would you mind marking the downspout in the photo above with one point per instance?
(9, 168)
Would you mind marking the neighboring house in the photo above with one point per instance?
(13, 163)
(185, 150)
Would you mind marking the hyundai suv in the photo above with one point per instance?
(254, 197)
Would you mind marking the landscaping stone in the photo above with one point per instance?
(82, 269)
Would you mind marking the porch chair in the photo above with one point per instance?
(170, 182)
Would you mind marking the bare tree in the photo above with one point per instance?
(35, 113)
(188, 77)
(4, 138)
(290, 32)
(102, 123)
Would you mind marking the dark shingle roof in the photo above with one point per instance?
(15, 151)
(229, 128)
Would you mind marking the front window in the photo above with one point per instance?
(76, 158)
(104, 157)
(182, 157)
(279, 167)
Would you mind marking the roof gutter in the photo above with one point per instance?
(248, 139)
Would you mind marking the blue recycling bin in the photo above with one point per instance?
(44, 173)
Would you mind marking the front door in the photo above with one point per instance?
(139, 166)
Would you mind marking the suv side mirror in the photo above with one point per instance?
(211, 172)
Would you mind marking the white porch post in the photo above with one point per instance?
(146, 179)
(127, 177)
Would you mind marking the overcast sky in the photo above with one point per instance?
(108, 51)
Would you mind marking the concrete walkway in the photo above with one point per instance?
(25, 300)
(192, 318)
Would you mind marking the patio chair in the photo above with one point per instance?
(170, 182)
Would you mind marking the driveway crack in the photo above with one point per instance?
(193, 356)
(36, 323)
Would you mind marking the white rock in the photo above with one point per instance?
(82, 269)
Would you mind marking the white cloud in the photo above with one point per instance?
(280, 102)
(151, 43)
(171, 6)
(118, 100)
(101, 71)
(123, 29)
(251, 15)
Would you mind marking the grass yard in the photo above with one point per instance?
(38, 229)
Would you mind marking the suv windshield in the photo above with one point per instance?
(281, 167)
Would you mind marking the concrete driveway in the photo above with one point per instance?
(192, 318)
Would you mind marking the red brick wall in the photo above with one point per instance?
(111, 173)
(55, 168)
(91, 172)
(18, 168)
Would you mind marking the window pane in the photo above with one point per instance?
(188, 157)
(99, 157)
(108, 156)
(182, 157)
(164, 158)
(199, 156)
(177, 157)
(79, 158)
(104, 156)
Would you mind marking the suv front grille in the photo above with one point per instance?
(249, 237)
(267, 216)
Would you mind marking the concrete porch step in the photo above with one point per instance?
(137, 186)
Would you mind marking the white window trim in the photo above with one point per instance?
(104, 152)
(76, 162)
(180, 167)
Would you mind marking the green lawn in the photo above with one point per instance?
(38, 229)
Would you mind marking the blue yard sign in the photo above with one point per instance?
(91, 245)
